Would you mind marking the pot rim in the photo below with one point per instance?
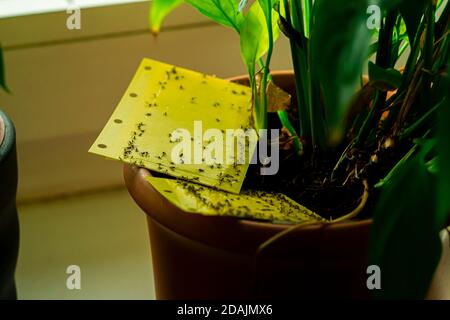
(275, 73)
(7, 135)
(228, 233)
(2, 130)
(143, 173)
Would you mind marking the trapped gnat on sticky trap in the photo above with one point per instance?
(176, 121)
(162, 103)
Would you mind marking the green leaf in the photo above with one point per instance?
(339, 46)
(308, 4)
(255, 36)
(401, 41)
(272, 27)
(387, 79)
(290, 32)
(253, 42)
(433, 165)
(2, 71)
(159, 9)
(412, 12)
(444, 155)
(400, 163)
(286, 122)
(405, 241)
(224, 12)
(267, 6)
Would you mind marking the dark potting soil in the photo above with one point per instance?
(306, 184)
(312, 187)
(309, 187)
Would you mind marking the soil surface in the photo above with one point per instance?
(308, 185)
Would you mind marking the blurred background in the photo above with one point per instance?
(73, 206)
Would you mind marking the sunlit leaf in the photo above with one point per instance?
(254, 35)
(267, 6)
(159, 9)
(271, 15)
(224, 12)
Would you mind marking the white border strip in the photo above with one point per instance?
(16, 8)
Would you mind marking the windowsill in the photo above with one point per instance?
(46, 25)
(15, 8)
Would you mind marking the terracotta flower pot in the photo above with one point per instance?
(199, 257)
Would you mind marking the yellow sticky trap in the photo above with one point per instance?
(174, 121)
(194, 198)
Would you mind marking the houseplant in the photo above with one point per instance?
(9, 226)
(391, 134)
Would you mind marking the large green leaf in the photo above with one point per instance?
(271, 16)
(159, 9)
(444, 155)
(2, 71)
(224, 12)
(339, 46)
(405, 241)
(254, 41)
(386, 79)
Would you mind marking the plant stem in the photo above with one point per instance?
(384, 53)
(383, 60)
(297, 12)
(300, 66)
(266, 72)
(308, 6)
(428, 53)
(408, 74)
(284, 118)
(371, 118)
(391, 173)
